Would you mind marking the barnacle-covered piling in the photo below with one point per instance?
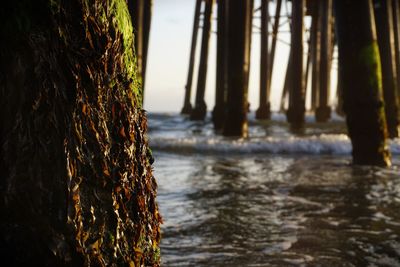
(77, 187)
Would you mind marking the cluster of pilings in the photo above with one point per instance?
(234, 34)
(233, 61)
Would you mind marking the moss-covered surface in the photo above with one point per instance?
(77, 186)
(369, 59)
(361, 82)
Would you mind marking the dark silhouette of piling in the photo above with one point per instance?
(147, 14)
(308, 63)
(239, 41)
(384, 26)
(263, 111)
(361, 81)
(287, 84)
(274, 38)
(323, 111)
(315, 53)
(200, 109)
(218, 113)
(396, 30)
(296, 110)
(140, 12)
(136, 10)
(187, 107)
(339, 93)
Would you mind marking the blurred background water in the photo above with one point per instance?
(277, 198)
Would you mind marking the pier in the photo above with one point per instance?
(313, 36)
(79, 149)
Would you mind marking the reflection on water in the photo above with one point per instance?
(276, 211)
(234, 209)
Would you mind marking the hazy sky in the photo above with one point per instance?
(168, 60)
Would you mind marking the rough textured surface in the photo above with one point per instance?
(384, 29)
(77, 185)
(361, 81)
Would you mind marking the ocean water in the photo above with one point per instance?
(277, 198)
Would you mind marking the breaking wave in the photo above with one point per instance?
(325, 144)
(175, 133)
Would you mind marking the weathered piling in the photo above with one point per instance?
(315, 53)
(187, 107)
(361, 81)
(384, 26)
(147, 14)
(140, 11)
(323, 111)
(339, 93)
(264, 109)
(308, 63)
(239, 41)
(396, 30)
(296, 110)
(218, 113)
(136, 10)
(288, 83)
(274, 38)
(76, 183)
(200, 109)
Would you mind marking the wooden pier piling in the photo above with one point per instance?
(218, 114)
(323, 111)
(296, 110)
(274, 39)
(361, 82)
(339, 93)
(187, 107)
(200, 109)
(384, 27)
(396, 30)
(239, 41)
(264, 109)
(288, 83)
(147, 15)
(140, 12)
(315, 53)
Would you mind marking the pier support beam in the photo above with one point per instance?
(315, 53)
(361, 82)
(76, 183)
(264, 110)
(384, 27)
(218, 114)
(136, 10)
(323, 111)
(239, 42)
(187, 107)
(296, 111)
(140, 11)
(275, 29)
(287, 84)
(147, 14)
(396, 30)
(339, 93)
(200, 109)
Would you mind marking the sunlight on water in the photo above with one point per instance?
(173, 133)
(276, 208)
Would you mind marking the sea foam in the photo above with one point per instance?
(325, 144)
